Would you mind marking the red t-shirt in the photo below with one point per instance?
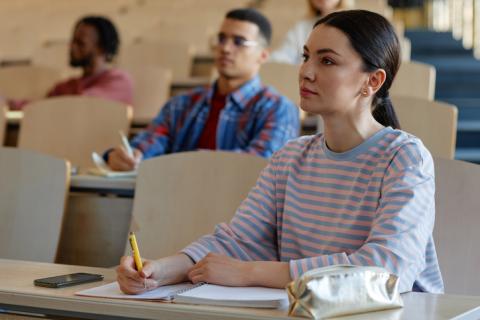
(208, 138)
(112, 84)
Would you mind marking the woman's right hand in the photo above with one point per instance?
(132, 281)
(155, 273)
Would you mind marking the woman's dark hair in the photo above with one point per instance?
(374, 39)
(108, 39)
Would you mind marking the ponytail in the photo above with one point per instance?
(384, 112)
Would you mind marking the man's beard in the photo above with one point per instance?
(81, 63)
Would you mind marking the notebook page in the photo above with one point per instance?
(112, 290)
(111, 173)
(102, 169)
(222, 293)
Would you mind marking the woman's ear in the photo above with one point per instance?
(375, 80)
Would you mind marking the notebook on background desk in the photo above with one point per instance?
(209, 294)
(102, 169)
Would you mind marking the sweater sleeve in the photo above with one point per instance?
(403, 223)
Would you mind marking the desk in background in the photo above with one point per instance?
(14, 117)
(17, 292)
(114, 186)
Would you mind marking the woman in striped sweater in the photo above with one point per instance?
(361, 193)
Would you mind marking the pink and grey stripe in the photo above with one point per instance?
(311, 207)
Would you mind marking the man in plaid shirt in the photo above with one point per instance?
(237, 113)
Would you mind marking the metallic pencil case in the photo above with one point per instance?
(342, 290)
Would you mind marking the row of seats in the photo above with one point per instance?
(180, 188)
(457, 83)
(153, 23)
(156, 20)
(92, 124)
(134, 19)
(73, 127)
(152, 83)
(178, 58)
(413, 80)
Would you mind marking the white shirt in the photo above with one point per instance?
(291, 50)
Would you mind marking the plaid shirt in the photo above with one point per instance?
(256, 120)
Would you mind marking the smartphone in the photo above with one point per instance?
(67, 280)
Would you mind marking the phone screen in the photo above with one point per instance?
(68, 280)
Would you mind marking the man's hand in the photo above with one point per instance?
(119, 160)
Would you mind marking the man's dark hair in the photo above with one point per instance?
(255, 17)
(108, 39)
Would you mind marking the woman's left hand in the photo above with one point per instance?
(220, 269)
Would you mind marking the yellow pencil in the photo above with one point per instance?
(136, 252)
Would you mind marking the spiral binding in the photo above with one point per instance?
(176, 293)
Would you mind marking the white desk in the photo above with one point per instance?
(17, 292)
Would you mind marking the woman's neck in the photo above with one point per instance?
(345, 133)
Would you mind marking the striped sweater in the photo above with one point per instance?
(311, 207)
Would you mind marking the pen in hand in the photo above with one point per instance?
(135, 251)
(126, 145)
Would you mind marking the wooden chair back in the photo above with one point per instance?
(414, 79)
(283, 77)
(434, 122)
(151, 91)
(71, 127)
(456, 225)
(33, 192)
(178, 57)
(182, 196)
(27, 81)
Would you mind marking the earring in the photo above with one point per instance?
(365, 92)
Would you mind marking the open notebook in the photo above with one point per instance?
(102, 169)
(256, 297)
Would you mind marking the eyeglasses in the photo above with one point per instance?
(238, 41)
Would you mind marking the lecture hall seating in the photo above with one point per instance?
(33, 192)
(456, 224)
(439, 136)
(72, 127)
(182, 196)
(27, 82)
